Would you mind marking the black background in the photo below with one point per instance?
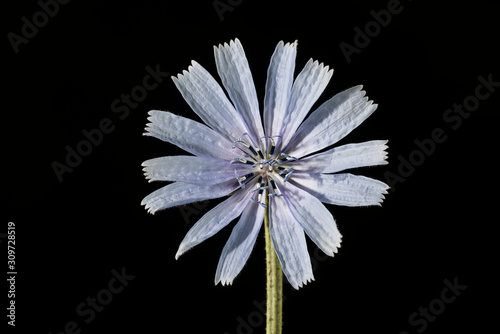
(436, 225)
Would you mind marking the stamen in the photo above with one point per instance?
(273, 143)
(284, 158)
(258, 201)
(242, 178)
(276, 190)
(254, 149)
(283, 170)
(262, 184)
(260, 154)
(288, 157)
(260, 190)
(242, 146)
(241, 160)
(251, 140)
(240, 142)
(289, 172)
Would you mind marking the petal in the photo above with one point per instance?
(313, 216)
(278, 86)
(240, 244)
(189, 135)
(233, 69)
(331, 122)
(189, 169)
(289, 242)
(342, 189)
(207, 99)
(369, 153)
(179, 193)
(214, 220)
(307, 88)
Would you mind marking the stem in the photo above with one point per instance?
(274, 284)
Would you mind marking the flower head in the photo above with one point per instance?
(237, 154)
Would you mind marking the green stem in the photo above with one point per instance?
(274, 282)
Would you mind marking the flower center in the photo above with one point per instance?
(266, 166)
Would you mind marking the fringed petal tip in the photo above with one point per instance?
(334, 249)
(297, 282)
(149, 130)
(384, 191)
(224, 282)
(300, 283)
(358, 88)
(154, 112)
(148, 205)
(232, 43)
(148, 209)
(293, 44)
(385, 152)
(147, 169)
(185, 73)
(147, 175)
(151, 119)
(316, 65)
(236, 42)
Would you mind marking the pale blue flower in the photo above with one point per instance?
(237, 155)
